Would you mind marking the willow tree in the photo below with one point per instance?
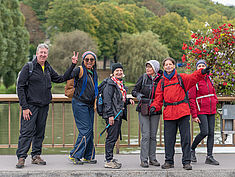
(14, 41)
(134, 50)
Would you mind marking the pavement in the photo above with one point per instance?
(60, 165)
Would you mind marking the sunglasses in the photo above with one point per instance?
(89, 59)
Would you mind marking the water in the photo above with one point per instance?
(69, 127)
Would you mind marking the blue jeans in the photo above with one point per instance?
(84, 118)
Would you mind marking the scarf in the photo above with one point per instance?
(169, 76)
(121, 87)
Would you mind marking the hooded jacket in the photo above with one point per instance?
(207, 102)
(38, 90)
(175, 93)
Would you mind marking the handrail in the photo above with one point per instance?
(61, 98)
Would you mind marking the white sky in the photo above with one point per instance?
(225, 2)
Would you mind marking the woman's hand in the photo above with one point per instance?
(75, 58)
(196, 119)
(111, 120)
(132, 102)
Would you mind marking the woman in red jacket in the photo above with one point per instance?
(171, 92)
(203, 102)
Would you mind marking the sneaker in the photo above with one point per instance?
(210, 160)
(187, 167)
(113, 164)
(154, 162)
(167, 165)
(93, 161)
(144, 164)
(193, 156)
(20, 163)
(37, 160)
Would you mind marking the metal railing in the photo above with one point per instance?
(60, 98)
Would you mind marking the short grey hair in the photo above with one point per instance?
(42, 46)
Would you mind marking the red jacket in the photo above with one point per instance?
(206, 105)
(175, 93)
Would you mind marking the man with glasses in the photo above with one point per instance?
(34, 92)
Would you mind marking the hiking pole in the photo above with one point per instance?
(108, 126)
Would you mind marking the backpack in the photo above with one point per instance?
(30, 73)
(100, 97)
(185, 100)
(71, 84)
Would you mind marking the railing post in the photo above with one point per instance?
(128, 125)
(9, 124)
(63, 112)
(52, 122)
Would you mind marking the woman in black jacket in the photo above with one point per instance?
(145, 91)
(115, 100)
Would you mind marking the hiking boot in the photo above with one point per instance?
(193, 156)
(75, 161)
(210, 160)
(113, 164)
(187, 167)
(92, 161)
(167, 165)
(154, 162)
(20, 163)
(37, 160)
(144, 164)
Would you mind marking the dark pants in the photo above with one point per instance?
(112, 137)
(207, 126)
(84, 118)
(32, 131)
(170, 131)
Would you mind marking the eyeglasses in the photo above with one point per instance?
(89, 59)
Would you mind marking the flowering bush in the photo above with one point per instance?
(216, 47)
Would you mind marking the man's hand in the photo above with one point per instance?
(152, 110)
(197, 120)
(26, 114)
(111, 120)
(75, 58)
(132, 102)
(206, 70)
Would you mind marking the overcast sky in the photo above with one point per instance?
(226, 2)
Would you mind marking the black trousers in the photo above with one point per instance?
(113, 133)
(32, 131)
(170, 131)
(207, 126)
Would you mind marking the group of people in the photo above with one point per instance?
(154, 89)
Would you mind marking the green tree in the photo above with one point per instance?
(173, 31)
(63, 46)
(14, 41)
(134, 50)
(67, 16)
(154, 6)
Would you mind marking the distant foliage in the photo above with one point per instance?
(64, 44)
(217, 48)
(135, 50)
(14, 41)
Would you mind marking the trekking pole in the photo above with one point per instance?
(108, 126)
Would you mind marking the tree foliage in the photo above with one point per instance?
(136, 49)
(14, 40)
(63, 46)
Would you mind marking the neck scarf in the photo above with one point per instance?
(169, 76)
(121, 87)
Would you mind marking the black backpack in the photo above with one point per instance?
(100, 97)
(30, 73)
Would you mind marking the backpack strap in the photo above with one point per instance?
(79, 76)
(144, 81)
(30, 68)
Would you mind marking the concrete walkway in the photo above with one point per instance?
(59, 165)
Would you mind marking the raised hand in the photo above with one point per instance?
(75, 57)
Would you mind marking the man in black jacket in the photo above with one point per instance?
(34, 92)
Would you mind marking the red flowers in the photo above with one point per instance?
(184, 46)
(216, 49)
(225, 83)
(183, 58)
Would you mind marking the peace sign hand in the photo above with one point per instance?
(75, 57)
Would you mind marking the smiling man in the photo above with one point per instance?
(34, 92)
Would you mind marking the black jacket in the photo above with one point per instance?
(113, 101)
(88, 95)
(145, 88)
(38, 90)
